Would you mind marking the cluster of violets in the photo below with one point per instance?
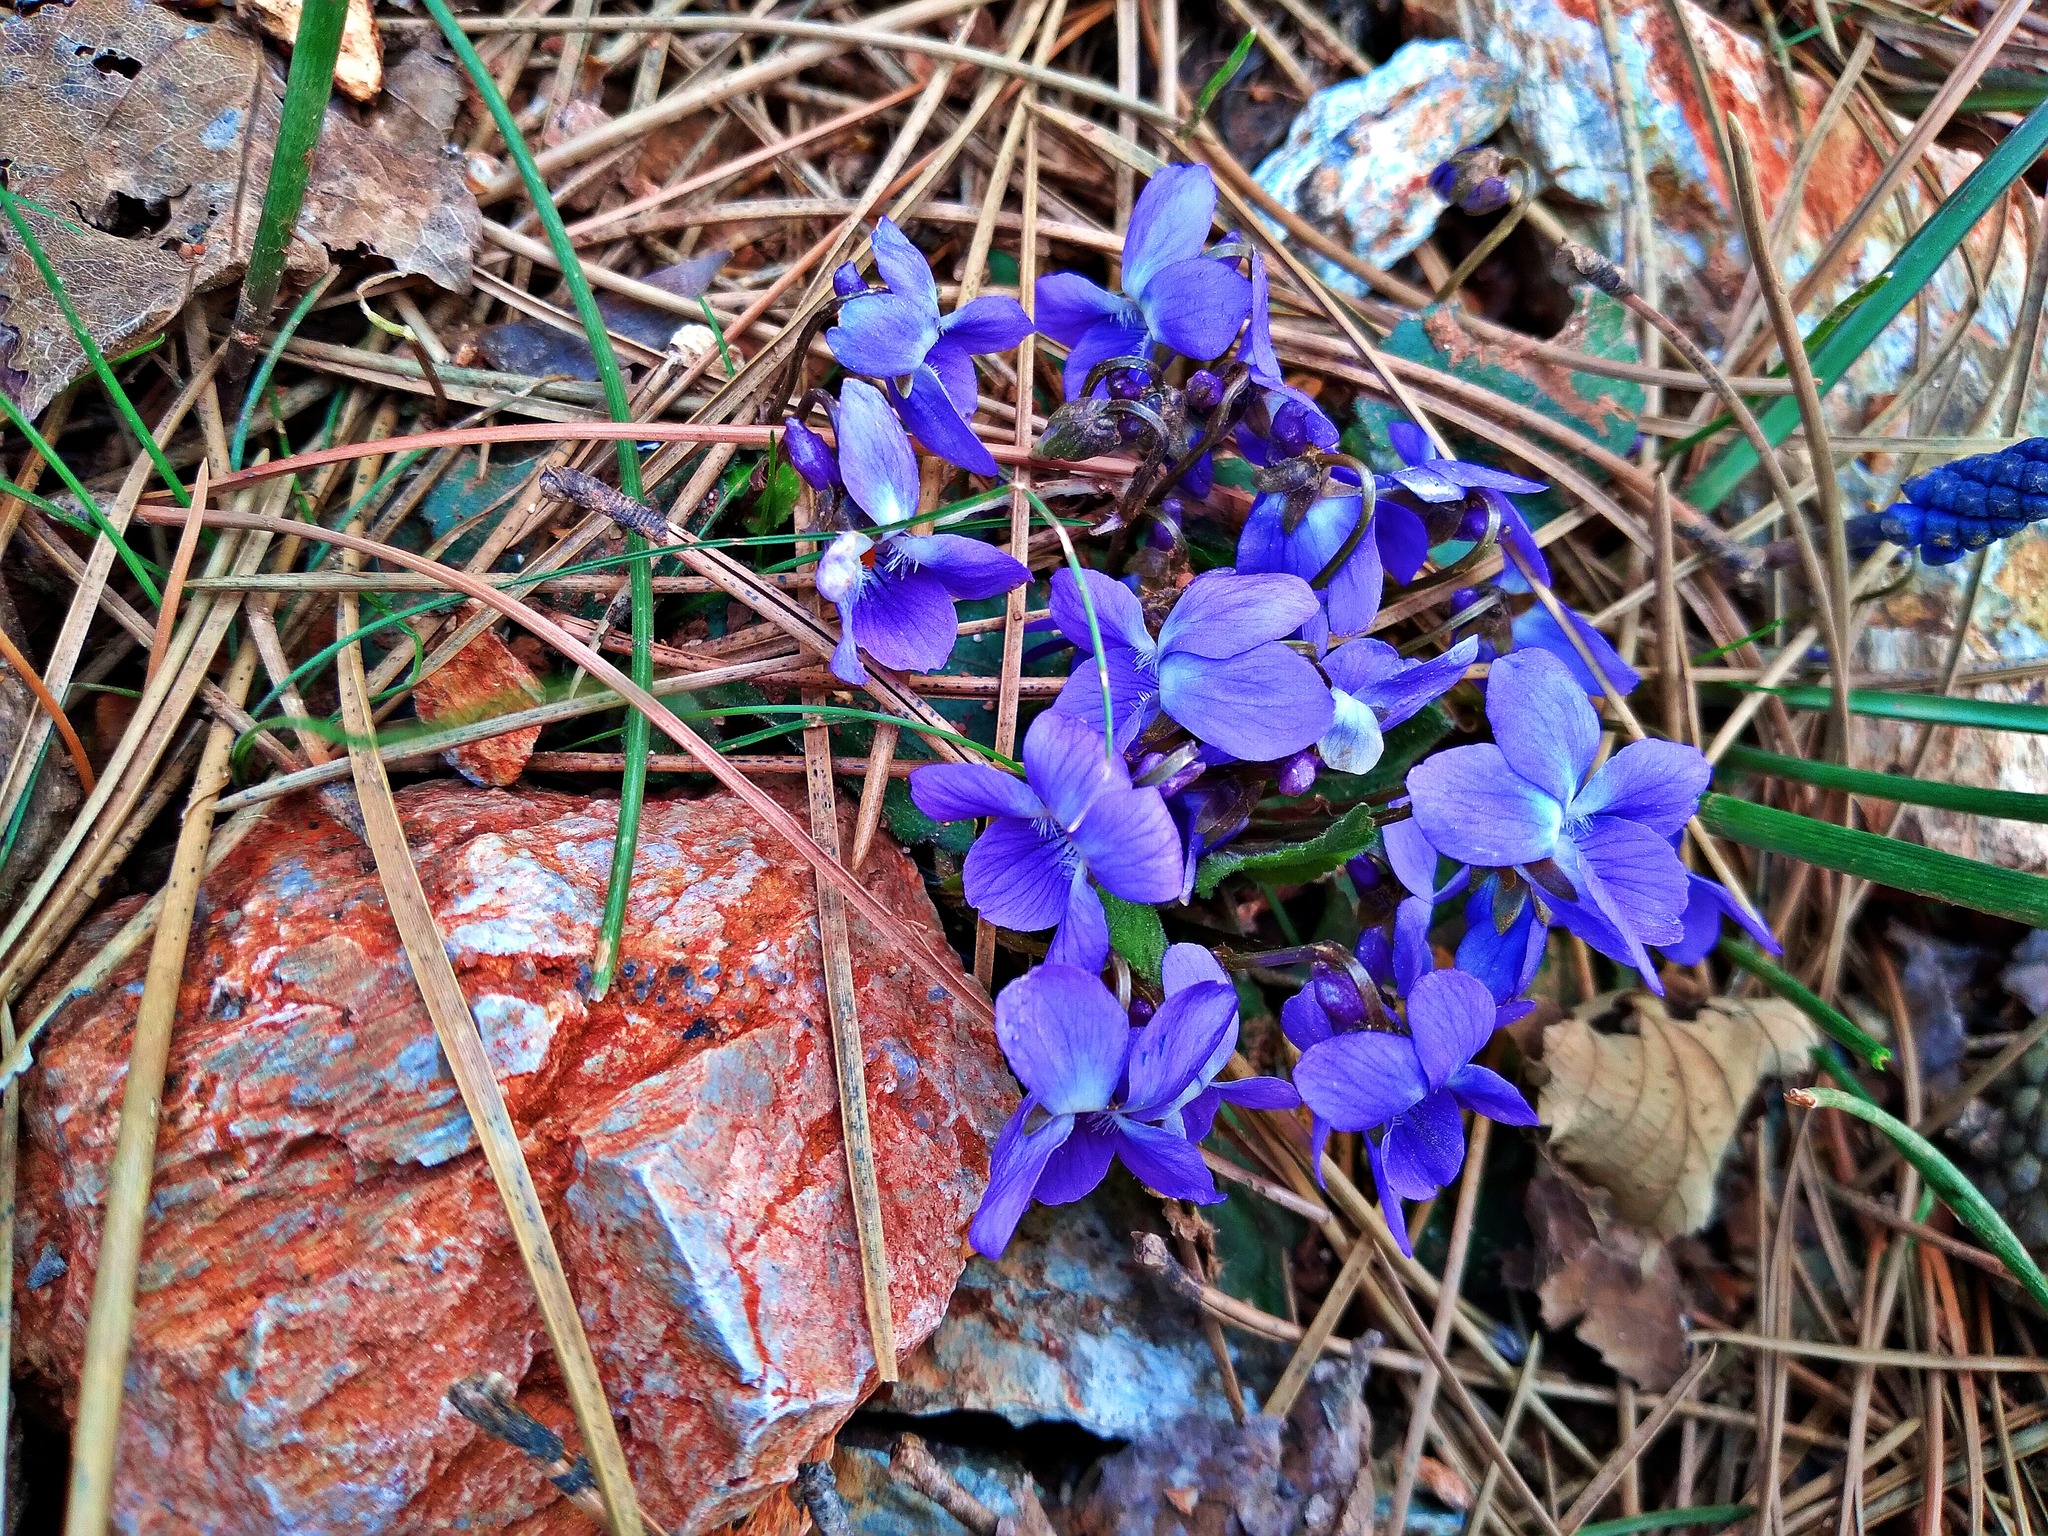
(1261, 675)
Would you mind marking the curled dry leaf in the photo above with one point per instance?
(127, 122)
(1648, 1115)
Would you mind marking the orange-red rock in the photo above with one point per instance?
(327, 1253)
(484, 678)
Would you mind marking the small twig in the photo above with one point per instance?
(1285, 1198)
(487, 1401)
(910, 1462)
(1320, 1327)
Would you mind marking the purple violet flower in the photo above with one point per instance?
(1707, 902)
(1095, 1091)
(928, 358)
(895, 593)
(1256, 352)
(1374, 688)
(1524, 800)
(1173, 296)
(1538, 630)
(1073, 816)
(1187, 967)
(1441, 482)
(1218, 668)
(1352, 599)
(1414, 1085)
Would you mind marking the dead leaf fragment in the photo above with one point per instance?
(1619, 1285)
(1648, 1115)
(359, 71)
(127, 120)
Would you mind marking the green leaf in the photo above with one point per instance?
(1351, 834)
(1927, 708)
(1831, 1020)
(775, 507)
(2005, 804)
(1946, 1180)
(910, 825)
(1882, 860)
(1136, 933)
(1910, 271)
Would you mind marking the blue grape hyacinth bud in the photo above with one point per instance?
(1962, 505)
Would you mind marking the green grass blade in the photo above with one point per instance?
(306, 89)
(1881, 860)
(1213, 86)
(639, 739)
(1830, 1020)
(1910, 271)
(138, 567)
(2004, 804)
(1944, 1179)
(1923, 708)
(238, 445)
(1670, 1519)
(11, 205)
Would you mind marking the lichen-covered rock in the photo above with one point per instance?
(327, 1253)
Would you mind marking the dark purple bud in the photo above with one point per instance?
(1473, 524)
(1204, 392)
(1363, 872)
(1126, 384)
(1173, 509)
(1338, 996)
(1290, 430)
(1161, 535)
(1298, 773)
(847, 281)
(1462, 599)
(1141, 1012)
(810, 455)
(1475, 180)
(1129, 429)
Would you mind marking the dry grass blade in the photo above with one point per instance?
(1792, 346)
(463, 1047)
(891, 927)
(181, 567)
(1320, 1328)
(95, 1440)
(1632, 1449)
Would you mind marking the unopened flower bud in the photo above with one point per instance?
(1204, 391)
(1290, 430)
(847, 281)
(1173, 509)
(1141, 1012)
(1475, 180)
(809, 454)
(1126, 384)
(1129, 429)
(1298, 773)
(1337, 995)
(839, 567)
(1160, 535)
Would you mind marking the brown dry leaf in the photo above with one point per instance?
(1620, 1284)
(1444, 1485)
(484, 678)
(127, 121)
(359, 71)
(1649, 1115)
